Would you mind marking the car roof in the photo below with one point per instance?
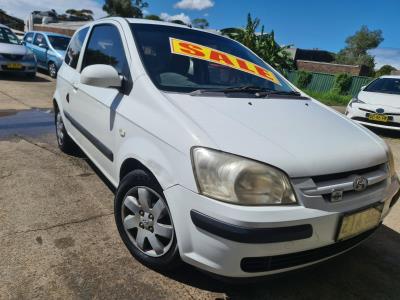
(49, 33)
(170, 24)
(145, 21)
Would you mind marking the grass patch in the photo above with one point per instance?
(330, 98)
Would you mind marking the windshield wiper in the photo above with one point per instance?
(273, 92)
(257, 91)
(234, 89)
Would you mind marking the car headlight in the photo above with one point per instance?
(239, 180)
(355, 100)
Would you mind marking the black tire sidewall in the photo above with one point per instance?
(168, 261)
(68, 145)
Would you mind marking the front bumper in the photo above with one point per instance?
(234, 241)
(360, 112)
(26, 66)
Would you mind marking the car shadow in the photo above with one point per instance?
(77, 152)
(22, 77)
(371, 270)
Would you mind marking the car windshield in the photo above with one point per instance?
(59, 42)
(185, 60)
(8, 37)
(384, 85)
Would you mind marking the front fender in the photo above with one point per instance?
(168, 165)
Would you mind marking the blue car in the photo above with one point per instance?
(49, 49)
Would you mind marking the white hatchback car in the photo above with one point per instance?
(377, 104)
(216, 158)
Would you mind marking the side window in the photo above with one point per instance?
(105, 47)
(75, 46)
(28, 37)
(39, 39)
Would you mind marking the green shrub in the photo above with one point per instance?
(330, 98)
(342, 84)
(303, 79)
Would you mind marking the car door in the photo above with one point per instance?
(67, 75)
(40, 48)
(94, 107)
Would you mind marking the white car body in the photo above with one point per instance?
(158, 129)
(376, 103)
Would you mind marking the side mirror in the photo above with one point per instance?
(104, 76)
(363, 87)
(43, 46)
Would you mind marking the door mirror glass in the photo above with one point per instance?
(99, 75)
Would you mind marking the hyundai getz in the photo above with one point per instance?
(216, 158)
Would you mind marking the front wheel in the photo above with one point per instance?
(144, 221)
(52, 70)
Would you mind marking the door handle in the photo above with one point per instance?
(67, 98)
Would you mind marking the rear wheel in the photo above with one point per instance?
(65, 143)
(52, 68)
(145, 222)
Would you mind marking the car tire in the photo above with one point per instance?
(151, 239)
(52, 69)
(64, 141)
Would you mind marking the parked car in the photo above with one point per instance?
(15, 57)
(216, 158)
(377, 104)
(49, 49)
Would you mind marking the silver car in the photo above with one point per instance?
(15, 57)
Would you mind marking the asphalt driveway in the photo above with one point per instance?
(58, 238)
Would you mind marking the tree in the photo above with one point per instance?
(200, 23)
(85, 14)
(125, 8)
(357, 46)
(153, 17)
(385, 70)
(263, 44)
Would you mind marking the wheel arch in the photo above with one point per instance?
(161, 161)
(131, 164)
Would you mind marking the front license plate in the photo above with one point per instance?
(359, 222)
(14, 66)
(378, 117)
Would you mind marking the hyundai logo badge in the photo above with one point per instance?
(380, 110)
(360, 183)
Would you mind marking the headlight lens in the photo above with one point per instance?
(355, 100)
(238, 180)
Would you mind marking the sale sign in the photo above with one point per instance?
(190, 49)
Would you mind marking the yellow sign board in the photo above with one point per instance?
(190, 49)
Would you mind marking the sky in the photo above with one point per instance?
(305, 24)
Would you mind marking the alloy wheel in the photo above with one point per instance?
(60, 129)
(147, 221)
(52, 70)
